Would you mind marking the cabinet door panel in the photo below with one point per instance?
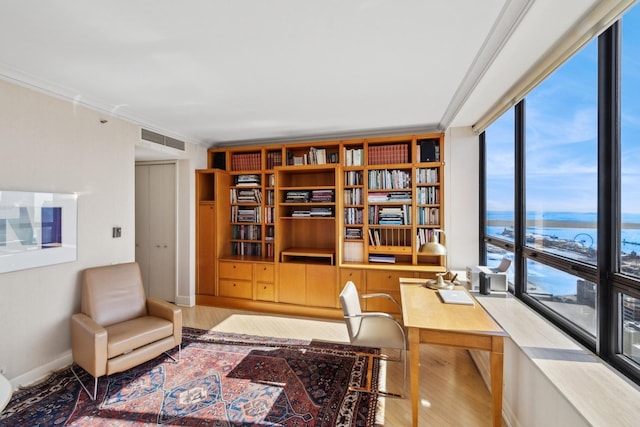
(291, 286)
(206, 261)
(354, 275)
(236, 270)
(321, 286)
(383, 281)
(264, 273)
(235, 288)
(265, 291)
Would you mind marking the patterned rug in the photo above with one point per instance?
(221, 380)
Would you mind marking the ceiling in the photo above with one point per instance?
(219, 72)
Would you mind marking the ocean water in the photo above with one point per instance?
(578, 228)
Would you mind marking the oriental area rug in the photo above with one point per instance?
(221, 379)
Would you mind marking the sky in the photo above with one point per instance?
(561, 135)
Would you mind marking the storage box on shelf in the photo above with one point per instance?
(313, 214)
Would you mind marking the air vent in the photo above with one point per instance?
(157, 138)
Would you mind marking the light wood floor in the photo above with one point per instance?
(452, 392)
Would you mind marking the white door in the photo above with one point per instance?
(156, 228)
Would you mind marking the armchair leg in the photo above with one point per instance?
(368, 387)
(95, 385)
(179, 354)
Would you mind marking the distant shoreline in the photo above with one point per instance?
(557, 224)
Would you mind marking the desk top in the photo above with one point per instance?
(422, 308)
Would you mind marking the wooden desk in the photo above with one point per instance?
(431, 321)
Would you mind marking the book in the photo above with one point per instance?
(455, 297)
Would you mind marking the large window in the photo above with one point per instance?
(499, 177)
(562, 160)
(628, 310)
(575, 216)
(630, 144)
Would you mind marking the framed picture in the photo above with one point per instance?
(37, 229)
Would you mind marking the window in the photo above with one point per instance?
(630, 144)
(576, 206)
(562, 160)
(499, 139)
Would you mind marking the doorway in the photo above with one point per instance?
(156, 228)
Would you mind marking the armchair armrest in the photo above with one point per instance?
(382, 295)
(89, 344)
(168, 311)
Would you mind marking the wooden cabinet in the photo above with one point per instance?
(246, 279)
(308, 284)
(205, 261)
(212, 228)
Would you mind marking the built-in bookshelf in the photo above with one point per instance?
(321, 211)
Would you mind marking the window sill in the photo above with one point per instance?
(599, 393)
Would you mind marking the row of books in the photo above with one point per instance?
(353, 233)
(353, 196)
(424, 236)
(353, 215)
(269, 215)
(385, 154)
(297, 196)
(390, 215)
(248, 180)
(243, 248)
(322, 196)
(427, 175)
(389, 196)
(315, 156)
(428, 195)
(353, 178)
(245, 214)
(313, 212)
(246, 232)
(353, 156)
(246, 195)
(382, 258)
(245, 161)
(380, 179)
(274, 158)
(428, 216)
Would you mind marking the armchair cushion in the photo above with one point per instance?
(131, 334)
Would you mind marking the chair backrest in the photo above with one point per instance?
(113, 293)
(350, 301)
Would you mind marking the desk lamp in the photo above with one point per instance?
(436, 248)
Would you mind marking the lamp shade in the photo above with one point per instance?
(433, 247)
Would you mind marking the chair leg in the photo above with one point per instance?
(179, 354)
(368, 388)
(95, 385)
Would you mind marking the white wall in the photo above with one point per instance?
(49, 144)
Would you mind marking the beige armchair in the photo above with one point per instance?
(119, 327)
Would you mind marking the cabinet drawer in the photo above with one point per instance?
(354, 275)
(235, 288)
(264, 273)
(385, 280)
(235, 270)
(265, 291)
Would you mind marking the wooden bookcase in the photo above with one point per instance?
(300, 219)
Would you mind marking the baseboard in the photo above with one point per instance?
(41, 372)
(186, 301)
